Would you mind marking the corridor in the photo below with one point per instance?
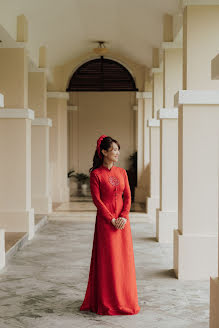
(44, 284)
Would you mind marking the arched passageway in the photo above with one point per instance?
(102, 95)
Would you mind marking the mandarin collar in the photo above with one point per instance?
(106, 168)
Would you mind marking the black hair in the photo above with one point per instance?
(106, 143)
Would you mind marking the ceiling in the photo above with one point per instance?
(69, 27)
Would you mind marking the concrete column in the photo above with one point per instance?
(2, 231)
(16, 213)
(214, 281)
(73, 155)
(153, 199)
(57, 111)
(167, 215)
(41, 197)
(157, 100)
(144, 112)
(147, 116)
(37, 98)
(196, 239)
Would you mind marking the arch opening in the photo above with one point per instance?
(101, 74)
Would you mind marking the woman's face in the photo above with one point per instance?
(112, 155)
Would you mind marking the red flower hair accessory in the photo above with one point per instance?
(99, 142)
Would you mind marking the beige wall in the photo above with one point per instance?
(99, 113)
(14, 77)
(37, 93)
(57, 111)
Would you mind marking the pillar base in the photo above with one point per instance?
(42, 205)
(152, 205)
(214, 302)
(18, 221)
(140, 194)
(166, 223)
(195, 256)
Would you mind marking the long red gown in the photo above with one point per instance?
(111, 288)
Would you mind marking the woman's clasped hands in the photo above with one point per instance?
(119, 223)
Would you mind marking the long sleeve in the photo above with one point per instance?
(127, 198)
(95, 192)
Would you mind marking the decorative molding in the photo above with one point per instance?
(153, 123)
(17, 113)
(42, 121)
(196, 97)
(71, 108)
(57, 94)
(135, 107)
(144, 95)
(1, 100)
(168, 113)
(171, 45)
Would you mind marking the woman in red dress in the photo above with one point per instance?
(111, 288)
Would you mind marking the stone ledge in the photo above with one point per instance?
(57, 94)
(165, 113)
(17, 113)
(144, 95)
(156, 70)
(153, 123)
(199, 3)
(42, 121)
(171, 45)
(196, 97)
(72, 108)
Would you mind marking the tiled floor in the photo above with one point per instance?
(45, 282)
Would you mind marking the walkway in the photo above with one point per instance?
(44, 283)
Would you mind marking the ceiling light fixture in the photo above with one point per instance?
(101, 50)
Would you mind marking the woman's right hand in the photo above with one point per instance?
(119, 223)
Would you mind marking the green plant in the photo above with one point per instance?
(71, 173)
(80, 177)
